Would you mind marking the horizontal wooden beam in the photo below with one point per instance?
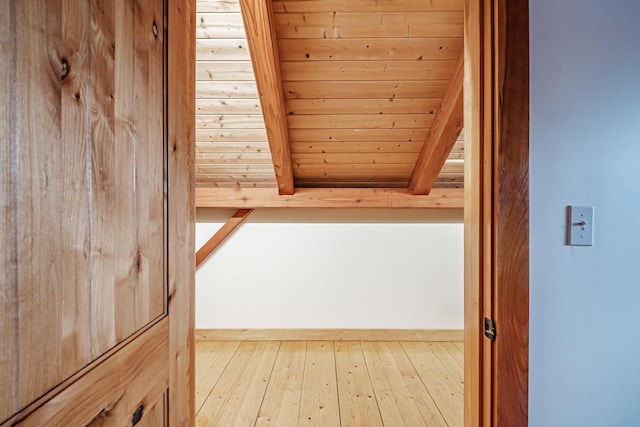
(251, 198)
(442, 135)
(220, 235)
(261, 35)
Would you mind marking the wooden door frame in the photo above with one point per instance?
(496, 211)
(181, 63)
(496, 104)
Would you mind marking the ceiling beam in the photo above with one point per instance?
(441, 136)
(220, 235)
(261, 37)
(250, 198)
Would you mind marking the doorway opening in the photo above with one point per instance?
(364, 297)
(497, 110)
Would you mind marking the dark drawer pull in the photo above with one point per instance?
(137, 416)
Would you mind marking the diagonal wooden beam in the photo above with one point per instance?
(261, 37)
(385, 198)
(441, 137)
(220, 235)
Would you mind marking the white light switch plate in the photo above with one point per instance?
(580, 226)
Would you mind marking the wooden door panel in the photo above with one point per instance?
(136, 375)
(150, 157)
(46, 263)
(105, 197)
(82, 185)
(127, 171)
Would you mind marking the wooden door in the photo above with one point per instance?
(496, 211)
(96, 189)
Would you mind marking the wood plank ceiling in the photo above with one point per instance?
(359, 94)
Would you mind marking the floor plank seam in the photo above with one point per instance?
(264, 393)
(373, 388)
(426, 386)
(304, 364)
(335, 369)
(218, 379)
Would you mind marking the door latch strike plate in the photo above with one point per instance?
(489, 329)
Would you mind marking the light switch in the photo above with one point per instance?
(580, 226)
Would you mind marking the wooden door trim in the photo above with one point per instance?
(181, 16)
(496, 211)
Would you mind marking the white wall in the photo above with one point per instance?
(585, 149)
(390, 269)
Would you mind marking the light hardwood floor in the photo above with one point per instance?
(329, 383)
